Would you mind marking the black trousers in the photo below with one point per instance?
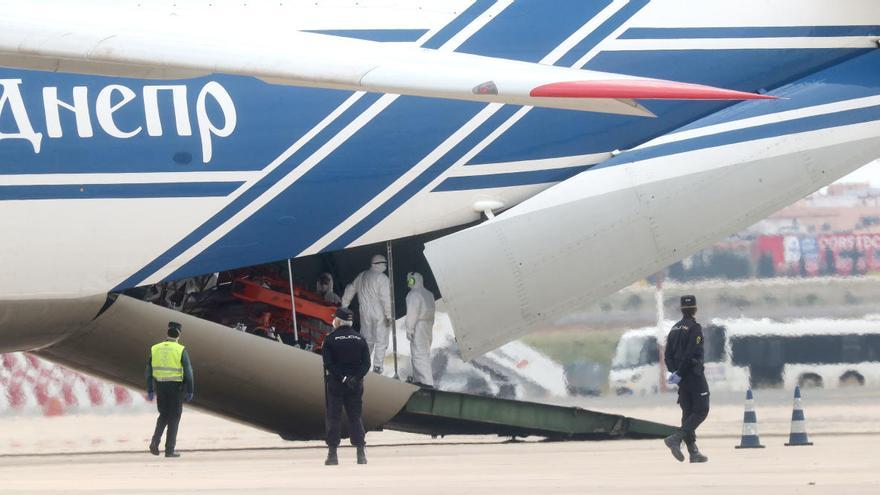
(169, 401)
(694, 402)
(340, 395)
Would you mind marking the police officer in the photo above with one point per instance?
(684, 358)
(169, 367)
(346, 362)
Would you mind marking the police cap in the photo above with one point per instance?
(174, 329)
(688, 302)
(344, 314)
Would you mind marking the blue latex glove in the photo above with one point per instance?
(189, 397)
(673, 379)
(150, 396)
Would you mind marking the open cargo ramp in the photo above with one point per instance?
(436, 412)
(273, 386)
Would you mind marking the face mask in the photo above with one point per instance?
(410, 281)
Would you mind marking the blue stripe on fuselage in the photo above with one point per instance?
(645, 33)
(118, 191)
(528, 30)
(602, 32)
(460, 22)
(491, 181)
(423, 179)
(815, 90)
(850, 81)
(340, 184)
(806, 124)
(253, 193)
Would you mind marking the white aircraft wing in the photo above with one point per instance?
(175, 50)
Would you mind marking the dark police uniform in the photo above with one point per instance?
(684, 356)
(346, 362)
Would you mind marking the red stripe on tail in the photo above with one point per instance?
(641, 89)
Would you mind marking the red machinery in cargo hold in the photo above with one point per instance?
(311, 309)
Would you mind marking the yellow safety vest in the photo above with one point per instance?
(166, 359)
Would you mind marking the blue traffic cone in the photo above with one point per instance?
(750, 438)
(798, 434)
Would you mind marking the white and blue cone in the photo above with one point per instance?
(798, 434)
(750, 439)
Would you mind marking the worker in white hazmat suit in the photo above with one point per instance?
(419, 328)
(373, 290)
(324, 288)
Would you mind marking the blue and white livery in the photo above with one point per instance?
(145, 143)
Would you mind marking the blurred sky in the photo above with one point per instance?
(868, 173)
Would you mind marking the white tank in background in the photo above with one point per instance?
(742, 353)
(635, 368)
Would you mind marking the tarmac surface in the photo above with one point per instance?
(107, 454)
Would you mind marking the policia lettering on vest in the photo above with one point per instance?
(169, 373)
(346, 363)
(684, 359)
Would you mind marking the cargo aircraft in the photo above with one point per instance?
(533, 155)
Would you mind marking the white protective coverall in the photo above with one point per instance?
(324, 288)
(419, 327)
(373, 290)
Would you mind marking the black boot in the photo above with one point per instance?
(695, 454)
(361, 454)
(154, 449)
(674, 443)
(332, 460)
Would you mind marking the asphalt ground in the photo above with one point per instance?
(107, 454)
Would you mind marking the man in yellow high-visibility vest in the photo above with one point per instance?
(170, 369)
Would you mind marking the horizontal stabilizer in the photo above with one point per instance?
(175, 49)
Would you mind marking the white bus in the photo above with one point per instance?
(760, 353)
